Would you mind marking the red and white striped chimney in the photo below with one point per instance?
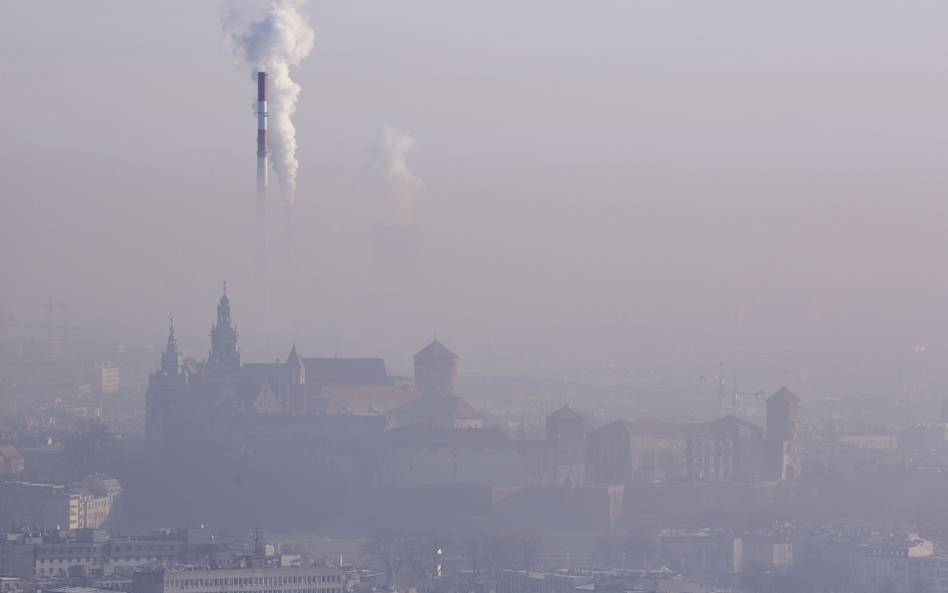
(263, 239)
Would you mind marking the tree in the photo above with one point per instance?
(474, 549)
(435, 539)
(389, 548)
(641, 546)
(91, 448)
(538, 460)
(527, 551)
(607, 550)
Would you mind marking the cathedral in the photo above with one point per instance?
(187, 397)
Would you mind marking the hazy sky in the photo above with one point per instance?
(597, 172)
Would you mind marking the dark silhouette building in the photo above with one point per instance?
(622, 452)
(436, 370)
(782, 447)
(566, 432)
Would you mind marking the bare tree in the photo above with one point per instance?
(388, 548)
(474, 549)
(416, 560)
(527, 552)
(607, 550)
(538, 461)
(499, 553)
(435, 540)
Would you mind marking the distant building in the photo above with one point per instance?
(88, 504)
(296, 579)
(11, 460)
(575, 581)
(926, 437)
(700, 552)
(782, 447)
(436, 370)
(566, 433)
(657, 583)
(64, 553)
(869, 440)
(438, 411)
(766, 550)
(888, 563)
(923, 573)
(103, 377)
(623, 452)
(38, 505)
(186, 397)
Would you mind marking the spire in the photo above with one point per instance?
(223, 309)
(224, 353)
(171, 359)
(293, 360)
(294, 370)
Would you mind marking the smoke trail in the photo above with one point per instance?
(397, 144)
(271, 36)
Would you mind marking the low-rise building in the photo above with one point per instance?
(766, 549)
(296, 579)
(869, 440)
(90, 504)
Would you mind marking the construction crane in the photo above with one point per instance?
(49, 304)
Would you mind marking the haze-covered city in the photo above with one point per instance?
(473, 297)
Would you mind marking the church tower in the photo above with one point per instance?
(293, 386)
(566, 435)
(436, 370)
(224, 355)
(166, 398)
(171, 359)
(294, 370)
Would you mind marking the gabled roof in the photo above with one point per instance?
(251, 387)
(438, 406)
(435, 350)
(661, 430)
(784, 395)
(565, 413)
(345, 371)
(293, 361)
(361, 399)
(734, 420)
(257, 372)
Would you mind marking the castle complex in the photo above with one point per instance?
(349, 415)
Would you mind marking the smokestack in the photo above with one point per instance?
(262, 168)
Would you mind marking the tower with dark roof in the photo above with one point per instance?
(294, 369)
(224, 355)
(782, 446)
(166, 396)
(293, 389)
(436, 370)
(566, 433)
(171, 359)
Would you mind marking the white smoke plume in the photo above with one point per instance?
(397, 143)
(270, 36)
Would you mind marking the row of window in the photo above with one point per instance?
(251, 581)
(330, 590)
